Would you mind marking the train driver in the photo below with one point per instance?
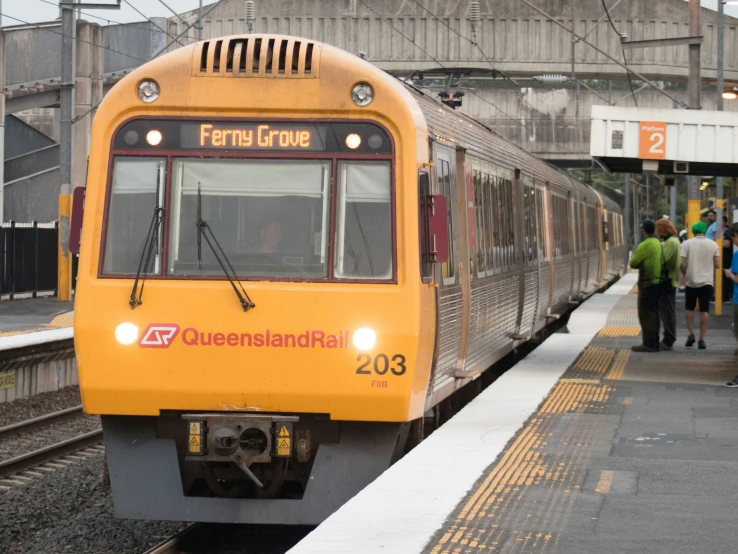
(269, 235)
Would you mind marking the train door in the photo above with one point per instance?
(572, 209)
(528, 254)
(586, 243)
(465, 236)
(450, 293)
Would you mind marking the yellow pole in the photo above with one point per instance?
(719, 271)
(693, 215)
(64, 270)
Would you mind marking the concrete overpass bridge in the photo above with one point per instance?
(400, 36)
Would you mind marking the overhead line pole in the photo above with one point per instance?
(608, 56)
(66, 101)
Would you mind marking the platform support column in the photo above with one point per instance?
(719, 180)
(626, 220)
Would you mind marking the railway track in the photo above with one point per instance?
(175, 544)
(40, 421)
(219, 538)
(49, 453)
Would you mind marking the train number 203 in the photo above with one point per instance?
(381, 364)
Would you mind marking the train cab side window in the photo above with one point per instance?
(448, 269)
(133, 198)
(364, 221)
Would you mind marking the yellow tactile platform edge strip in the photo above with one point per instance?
(619, 332)
(518, 467)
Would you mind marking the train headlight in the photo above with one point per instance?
(154, 137)
(353, 141)
(364, 338)
(362, 94)
(126, 333)
(148, 91)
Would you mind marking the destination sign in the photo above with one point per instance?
(252, 136)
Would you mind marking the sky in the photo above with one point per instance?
(34, 11)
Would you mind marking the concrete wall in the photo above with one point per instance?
(135, 42)
(33, 162)
(32, 54)
(21, 138)
(33, 198)
(518, 39)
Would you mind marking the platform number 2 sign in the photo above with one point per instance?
(653, 141)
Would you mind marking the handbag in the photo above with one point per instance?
(664, 279)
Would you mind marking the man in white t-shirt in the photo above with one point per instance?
(700, 259)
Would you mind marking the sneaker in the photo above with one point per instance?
(664, 346)
(701, 344)
(642, 348)
(690, 341)
(733, 383)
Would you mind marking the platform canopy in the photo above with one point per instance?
(668, 142)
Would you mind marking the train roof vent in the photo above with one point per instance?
(258, 56)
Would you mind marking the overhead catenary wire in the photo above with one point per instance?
(130, 25)
(625, 58)
(487, 59)
(558, 23)
(66, 36)
(508, 116)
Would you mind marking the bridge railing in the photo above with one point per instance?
(29, 259)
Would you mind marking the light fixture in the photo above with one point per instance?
(364, 338)
(730, 95)
(353, 141)
(126, 333)
(362, 94)
(154, 137)
(148, 91)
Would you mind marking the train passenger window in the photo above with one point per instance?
(269, 216)
(133, 198)
(363, 221)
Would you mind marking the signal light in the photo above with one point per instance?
(452, 99)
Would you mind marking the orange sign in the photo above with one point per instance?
(653, 141)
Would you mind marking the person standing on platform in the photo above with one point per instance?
(666, 231)
(732, 275)
(700, 259)
(727, 259)
(712, 224)
(647, 259)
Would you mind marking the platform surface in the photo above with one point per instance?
(582, 447)
(32, 315)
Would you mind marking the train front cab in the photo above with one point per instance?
(187, 381)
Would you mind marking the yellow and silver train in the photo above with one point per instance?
(287, 258)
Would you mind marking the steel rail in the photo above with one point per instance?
(46, 419)
(48, 453)
(173, 544)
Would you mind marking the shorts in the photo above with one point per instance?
(703, 294)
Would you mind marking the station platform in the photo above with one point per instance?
(31, 321)
(584, 446)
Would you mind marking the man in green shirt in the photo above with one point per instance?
(666, 232)
(647, 259)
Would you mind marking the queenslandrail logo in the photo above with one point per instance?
(162, 335)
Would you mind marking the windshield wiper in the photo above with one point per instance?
(202, 227)
(151, 242)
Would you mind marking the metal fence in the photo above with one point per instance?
(28, 260)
